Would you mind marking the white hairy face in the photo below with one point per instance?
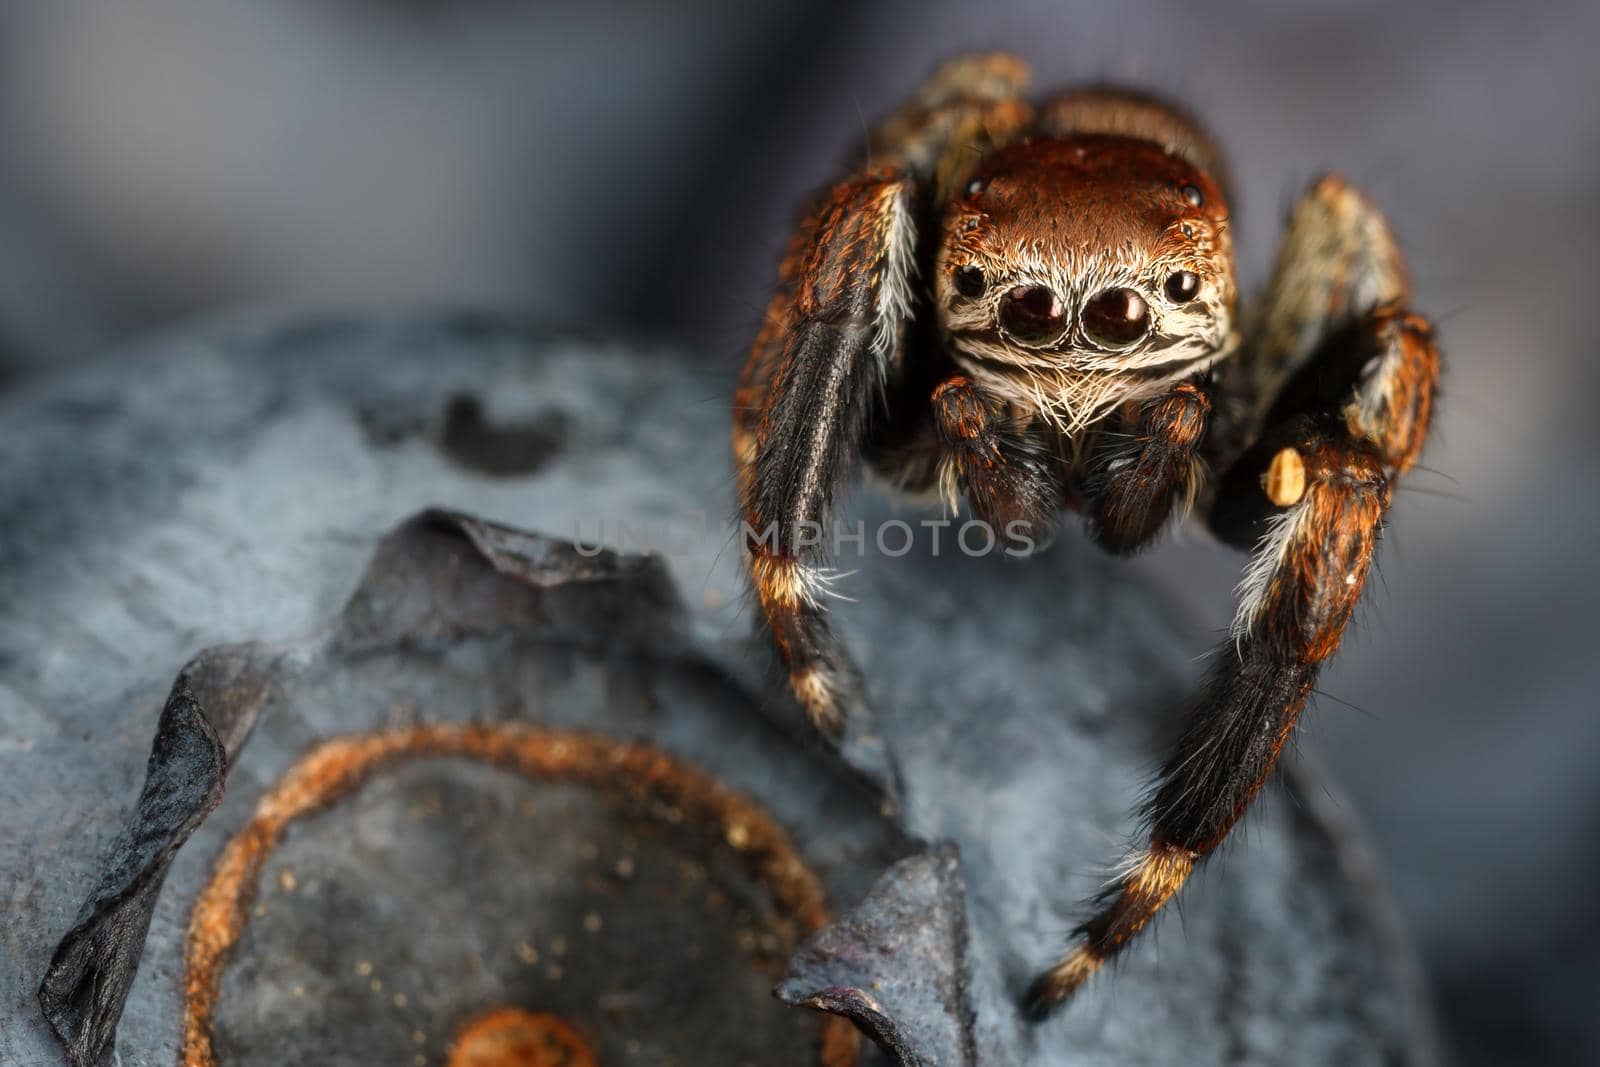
(1078, 274)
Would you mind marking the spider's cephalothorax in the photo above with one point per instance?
(1064, 314)
(1035, 308)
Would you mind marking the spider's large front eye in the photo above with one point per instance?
(1116, 317)
(1032, 313)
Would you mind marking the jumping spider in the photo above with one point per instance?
(1035, 307)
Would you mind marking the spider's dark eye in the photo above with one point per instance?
(1116, 317)
(1182, 286)
(1032, 313)
(1192, 194)
(975, 187)
(969, 281)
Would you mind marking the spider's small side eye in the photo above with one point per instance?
(1182, 286)
(970, 281)
(975, 187)
(1192, 194)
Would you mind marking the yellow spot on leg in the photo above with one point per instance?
(1285, 480)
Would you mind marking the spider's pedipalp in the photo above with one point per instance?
(1139, 476)
(1004, 472)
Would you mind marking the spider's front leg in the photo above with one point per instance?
(829, 356)
(821, 365)
(1350, 414)
(1300, 590)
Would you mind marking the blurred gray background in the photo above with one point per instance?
(632, 167)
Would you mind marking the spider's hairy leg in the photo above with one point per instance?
(1337, 262)
(1353, 376)
(1374, 378)
(1297, 598)
(1336, 342)
(1004, 471)
(832, 341)
(1143, 469)
(967, 107)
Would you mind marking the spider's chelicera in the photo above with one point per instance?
(1034, 308)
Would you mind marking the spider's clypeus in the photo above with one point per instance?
(1034, 306)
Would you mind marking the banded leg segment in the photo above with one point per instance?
(1140, 474)
(1299, 592)
(833, 340)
